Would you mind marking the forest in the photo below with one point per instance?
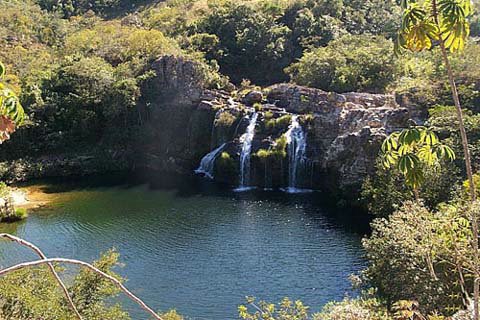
(368, 110)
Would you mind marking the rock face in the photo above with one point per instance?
(182, 121)
(344, 131)
(252, 97)
(180, 116)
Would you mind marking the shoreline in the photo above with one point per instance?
(30, 198)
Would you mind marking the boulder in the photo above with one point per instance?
(252, 97)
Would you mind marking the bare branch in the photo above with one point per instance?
(52, 268)
(89, 266)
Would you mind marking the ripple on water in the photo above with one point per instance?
(202, 254)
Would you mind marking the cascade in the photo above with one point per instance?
(207, 164)
(296, 147)
(246, 139)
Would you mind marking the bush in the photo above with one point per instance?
(226, 165)
(249, 42)
(280, 124)
(354, 309)
(33, 294)
(286, 310)
(20, 214)
(422, 79)
(426, 255)
(225, 119)
(351, 63)
(385, 191)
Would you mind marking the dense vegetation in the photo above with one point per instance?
(79, 68)
(79, 71)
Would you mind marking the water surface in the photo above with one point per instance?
(199, 250)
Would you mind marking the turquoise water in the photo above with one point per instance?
(200, 250)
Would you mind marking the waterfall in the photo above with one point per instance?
(246, 140)
(207, 164)
(296, 147)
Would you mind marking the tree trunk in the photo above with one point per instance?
(468, 162)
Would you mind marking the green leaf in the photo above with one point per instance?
(2, 70)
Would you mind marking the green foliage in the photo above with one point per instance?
(250, 43)
(427, 21)
(171, 315)
(354, 309)
(279, 124)
(422, 78)
(20, 214)
(71, 7)
(385, 191)
(286, 310)
(444, 120)
(426, 255)
(466, 187)
(258, 39)
(360, 63)
(119, 44)
(263, 154)
(11, 111)
(226, 165)
(33, 294)
(225, 119)
(411, 150)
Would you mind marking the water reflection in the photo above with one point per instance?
(200, 247)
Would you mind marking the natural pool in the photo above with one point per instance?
(200, 248)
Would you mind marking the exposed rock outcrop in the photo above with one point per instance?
(253, 97)
(182, 121)
(344, 131)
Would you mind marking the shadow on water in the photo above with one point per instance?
(207, 245)
(316, 203)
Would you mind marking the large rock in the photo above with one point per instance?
(347, 130)
(253, 97)
(177, 80)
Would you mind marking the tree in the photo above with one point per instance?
(411, 151)
(444, 22)
(350, 63)
(11, 111)
(426, 254)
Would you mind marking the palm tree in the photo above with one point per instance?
(444, 22)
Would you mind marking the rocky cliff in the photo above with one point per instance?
(302, 138)
(343, 131)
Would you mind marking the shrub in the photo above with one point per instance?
(252, 44)
(354, 309)
(385, 191)
(286, 310)
(225, 119)
(33, 294)
(226, 165)
(171, 315)
(426, 255)
(20, 214)
(279, 124)
(360, 63)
